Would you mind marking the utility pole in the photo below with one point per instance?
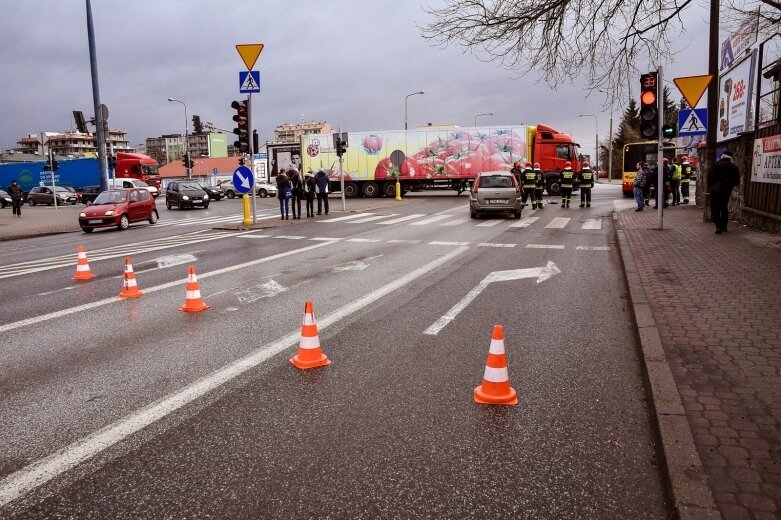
(101, 136)
(713, 105)
(661, 197)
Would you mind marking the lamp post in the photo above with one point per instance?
(405, 105)
(596, 147)
(186, 145)
(485, 114)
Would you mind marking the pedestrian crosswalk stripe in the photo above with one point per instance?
(399, 241)
(489, 244)
(490, 223)
(368, 240)
(525, 222)
(290, 237)
(543, 246)
(348, 217)
(369, 219)
(430, 220)
(437, 243)
(592, 248)
(457, 221)
(558, 223)
(402, 219)
(592, 223)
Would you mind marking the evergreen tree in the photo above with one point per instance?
(632, 115)
(670, 108)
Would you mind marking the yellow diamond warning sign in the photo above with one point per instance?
(249, 53)
(693, 87)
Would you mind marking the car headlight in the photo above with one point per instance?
(109, 212)
(185, 197)
(205, 197)
(82, 215)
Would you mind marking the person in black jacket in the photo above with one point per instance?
(309, 194)
(15, 192)
(539, 184)
(721, 180)
(585, 183)
(297, 186)
(284, 194)
(321, 189)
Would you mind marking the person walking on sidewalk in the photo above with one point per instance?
(585, 183)
(321, 190)
(721, 180)
(539, 184)
(566, 178)
(284, 194)
(15, 192)
(297, 187)
(641, 180)
(309, 194)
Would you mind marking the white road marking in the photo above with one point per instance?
(399, 241)
(177, 283)
(369, 219)
(489, 244)
(247, 295)
(592, 248)
(592, 223)
(348, 217)
(490, 223)
(364, 240)
(430, 220)
(456, 222)
(402, 219)
(26, 479)
(543, 246)
(290, 237)
(255, 236)
(437, 243)
(59, 290)
(355, 265)
(558, 223)
(326, 239)
(525, 222)
(541, 273)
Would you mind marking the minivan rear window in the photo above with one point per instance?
(496, 181)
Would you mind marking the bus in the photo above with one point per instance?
(646, 152)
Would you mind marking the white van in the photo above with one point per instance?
(132, 183)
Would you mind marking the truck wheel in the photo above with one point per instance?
(350, 189)
(553, 188)
(389, 189)
(370, 189)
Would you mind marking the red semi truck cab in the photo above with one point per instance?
(552, 150)
(138, 166)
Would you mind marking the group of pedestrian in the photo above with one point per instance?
(583, 180)
(15, 192)
(676, 178)
(292, 188)
(532, 183)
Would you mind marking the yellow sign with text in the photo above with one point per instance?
(249, 53)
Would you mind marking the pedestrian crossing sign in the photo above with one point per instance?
(693, 122)
(249, 81)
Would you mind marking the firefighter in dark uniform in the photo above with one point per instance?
(667, 180)
(585, 183)
(539, 184)
(529, 185)
(676, 182)
(686, 175)
(516, 171)
(566, 179)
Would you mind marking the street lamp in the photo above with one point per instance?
(485, 114)
(186, 146)
(596, 147)
(405, 105)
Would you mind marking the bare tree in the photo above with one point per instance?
(603, 42)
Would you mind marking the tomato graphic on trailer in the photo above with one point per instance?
(372, 144)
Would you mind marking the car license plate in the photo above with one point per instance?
(196, 200)
(95, 221)
(497, 201)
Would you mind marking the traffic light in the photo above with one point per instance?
(649, 106)
(255, 141)
(340, 143)
(669, 131)
(186, 161)
(197, 124)
(242, 126)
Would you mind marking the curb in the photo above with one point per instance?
(687, 482)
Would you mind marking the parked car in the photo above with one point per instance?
(185, 194)
(495, 192)
(602, 175)
(119, 208)
(89, 194)
(45, 195)
(262, 189)
(213, 192)
(5, 199)
(76, 193)
(132, 183)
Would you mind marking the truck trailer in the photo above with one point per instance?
(431, 158)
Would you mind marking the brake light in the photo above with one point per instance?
(476, 183)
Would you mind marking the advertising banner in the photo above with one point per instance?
(735, 100)
(738, 42)
(766, 162)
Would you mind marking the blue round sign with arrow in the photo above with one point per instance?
(243, 179)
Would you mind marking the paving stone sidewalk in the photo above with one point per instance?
(716, 300)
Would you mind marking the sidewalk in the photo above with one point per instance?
(708, 311)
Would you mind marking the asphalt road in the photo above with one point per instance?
(127, 409)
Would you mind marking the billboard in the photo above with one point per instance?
(735, 99)
(766, 161)
(218, 145)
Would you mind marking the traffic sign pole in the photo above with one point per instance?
(251, 156)
(660, 195)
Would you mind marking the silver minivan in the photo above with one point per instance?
(495, 192)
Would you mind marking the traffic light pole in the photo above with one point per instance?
(660, 195)
(341, 174)
(254, 189)
(51, 170)
(101, 137)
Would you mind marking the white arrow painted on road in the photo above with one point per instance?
(264, 290)
(244, 180)
(540, 273)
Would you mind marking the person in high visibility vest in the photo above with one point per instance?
(585, 183)
(529, 180)
(566, 178)
(686, 175)
(676, 183)
(540, 184)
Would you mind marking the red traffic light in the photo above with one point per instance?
(648, 97)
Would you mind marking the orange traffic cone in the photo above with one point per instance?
(193, 301)
(309, 353)
(82, 267)
(129, 286)
(496, 387)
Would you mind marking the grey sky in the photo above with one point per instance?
(350, 63)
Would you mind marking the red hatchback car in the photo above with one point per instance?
(118, 208)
